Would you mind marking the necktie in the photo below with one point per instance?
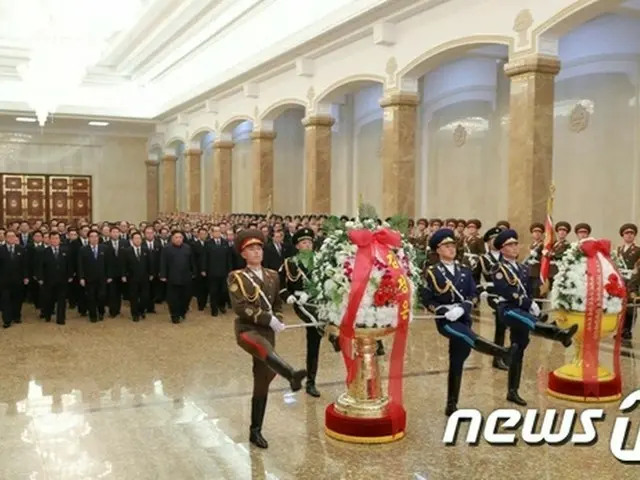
(11, 250)
(138, 253)
(95, 252)
(218, 241)
(115, 248)
(55, 252)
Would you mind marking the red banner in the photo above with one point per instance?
(549, 240)
(593, 317)
(371, 244)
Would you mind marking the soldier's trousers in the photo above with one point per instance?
(259, 344)
(520, 322)
(313, 339)
(461, 340)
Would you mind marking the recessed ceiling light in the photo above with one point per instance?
(98, 124)
(26, 119)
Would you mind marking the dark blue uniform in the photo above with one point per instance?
(511, 282)
(448, 288)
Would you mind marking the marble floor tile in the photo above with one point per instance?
(124, 401)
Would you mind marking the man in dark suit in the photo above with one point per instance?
(276, 251)
(136, 275)
(25, 235)
(14, 275)
(237, 261)
(93, 275)
(54, 272)
(153, 247)
(34, 250)
(115, 289)
(200, 287)
(177, 270)
(215, 268)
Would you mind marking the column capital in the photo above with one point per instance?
(536, 63)
(166, 158)
(151, 163)
(263, 135)
(193, 152)
(223, 144)
(400, 99)
(318, 121)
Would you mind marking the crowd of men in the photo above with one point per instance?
(93, 267)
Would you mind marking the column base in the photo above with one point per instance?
(560, 386)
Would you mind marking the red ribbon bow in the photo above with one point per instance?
(591, 247)
(372, 243)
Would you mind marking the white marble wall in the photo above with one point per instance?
(241, 169)
(597, 125)
(206, 171)
(462, 164)
(181, 179)
(116, 165)
(288, 162)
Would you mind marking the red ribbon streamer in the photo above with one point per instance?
(371, 244)
(593, 317)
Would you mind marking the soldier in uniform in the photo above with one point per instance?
(485, 290)
(582, 230)
(629, 253)
(474, 247)
(293, 273)
(420, 236)
(450, 294)
(517, 308)
(503, 224)
(254, 293)
(535, 256)
(560, 246)
(461, 251)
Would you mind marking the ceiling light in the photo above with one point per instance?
(26, 119)
(98, 124)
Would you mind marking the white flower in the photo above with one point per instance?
(349, 224)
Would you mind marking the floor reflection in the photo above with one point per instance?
(153, 400)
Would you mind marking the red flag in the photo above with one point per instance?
(549, 239)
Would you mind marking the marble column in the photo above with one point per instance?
(399, 154)
(530, 138)
(169, 183)
(193, 156)
(262, 160)
(222, 153)
(152, 190)
(317, 163)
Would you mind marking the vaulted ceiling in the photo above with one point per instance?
(172, 51)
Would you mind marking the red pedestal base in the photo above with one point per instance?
(366, 430)
(609, 390)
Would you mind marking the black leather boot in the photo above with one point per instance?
(454, 380)
(553, 332)
(498, 339)
(515, 371)
(258, 407)
(311, 389)
(380, 348)
(497, 352)
(282, 368)
(312, 368)
(627, 327)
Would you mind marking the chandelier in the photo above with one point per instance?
(65, 38)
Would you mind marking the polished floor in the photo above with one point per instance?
(125, 401)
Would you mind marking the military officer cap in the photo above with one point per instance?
(344, 218)
(423, 221)
(536, 226)
(505, 237)
(628, 227)
(302, 234)
(505, 225)
(248, 237)
(582, 226)
(491, 233)
(451, 221)
(476, 222)
(462, 222)
(442, 237)
(563, 226)
(435, 220)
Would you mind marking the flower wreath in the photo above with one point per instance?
(330, 281)
(569, 291)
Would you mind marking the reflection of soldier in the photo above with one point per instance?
(254, 297)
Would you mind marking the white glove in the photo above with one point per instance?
(276, 325)
(291, 299)
(302, 296)
(455, 313)
(484, 296)
(534, 309)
